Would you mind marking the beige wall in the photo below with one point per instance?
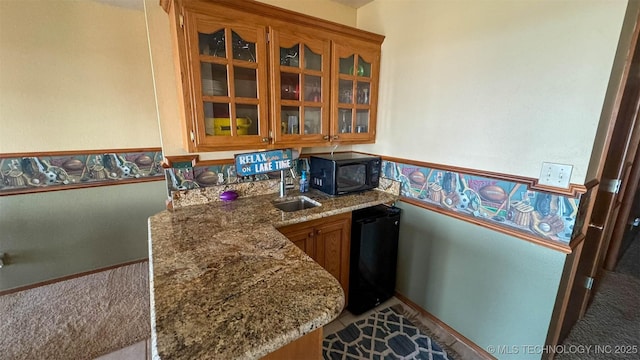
(499, 86)
(74, 75)
(493, 85)
(324, 9)
(615, 83)
(160, 46)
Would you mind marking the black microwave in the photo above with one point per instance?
(344, 173)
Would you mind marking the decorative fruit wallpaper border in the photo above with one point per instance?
(36, 172)
(504, 203)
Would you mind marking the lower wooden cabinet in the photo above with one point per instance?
(327, 241)
(308, 347)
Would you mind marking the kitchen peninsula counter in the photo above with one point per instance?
(225, 284)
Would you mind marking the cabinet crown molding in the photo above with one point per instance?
(284, 16)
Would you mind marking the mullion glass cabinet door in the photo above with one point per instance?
(228, 66)
(240, 116)
(301, 86)
(355, 85)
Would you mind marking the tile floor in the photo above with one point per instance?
(441, 335)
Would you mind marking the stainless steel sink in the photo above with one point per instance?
(295, 203)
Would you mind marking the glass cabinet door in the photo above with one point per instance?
(230, 102)
(300, 88)
(355, 87)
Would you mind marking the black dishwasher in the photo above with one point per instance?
(374, 255)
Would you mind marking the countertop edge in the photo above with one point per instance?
(168, 225)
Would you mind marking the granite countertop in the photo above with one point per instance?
(226, 284)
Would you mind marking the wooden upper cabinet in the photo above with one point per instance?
(354, 92)
(227, 61)
(300, 87)
(254, 76)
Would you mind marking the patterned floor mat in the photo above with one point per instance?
(385, 334)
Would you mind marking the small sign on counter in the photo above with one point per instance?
(263, 162)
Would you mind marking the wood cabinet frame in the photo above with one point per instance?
(268, 23)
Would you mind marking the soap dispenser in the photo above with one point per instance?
(304, 182)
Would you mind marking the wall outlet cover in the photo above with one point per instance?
(555, 175)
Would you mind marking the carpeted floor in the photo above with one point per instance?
(385, 334)
(80, 318)
(610, 328)
(630, 261)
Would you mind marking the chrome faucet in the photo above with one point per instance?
(283, 183)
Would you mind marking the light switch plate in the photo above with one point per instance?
(556, 175)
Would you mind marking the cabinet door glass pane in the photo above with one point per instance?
(345, 92)
(312, 88)
(312, 120)
(290, 56)
(216, 116)
(362, 121)
(247, 119)
(346, 65)
(246, 84)
(242, 49)
(362, 97)
(344, 121)
(364, 68)
(290, 120)
(214, 79)
(312, 61)
(289, 86)
(212, 44)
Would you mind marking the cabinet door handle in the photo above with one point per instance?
(265, 139)
(325, 137)
(335, 137)
(318, 232)
(311, 234)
